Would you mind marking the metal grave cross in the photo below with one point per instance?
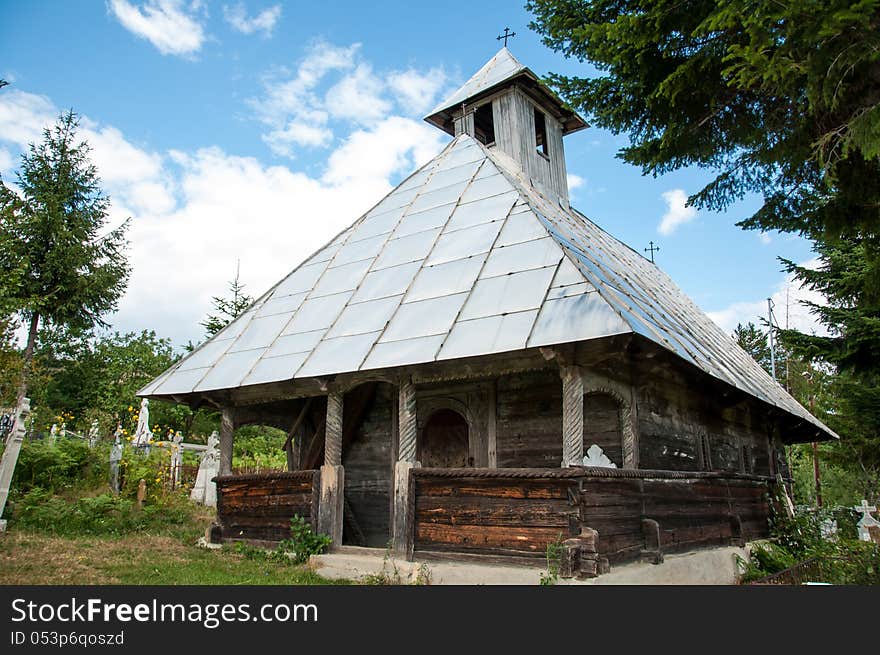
(507, 35)
(652, 250)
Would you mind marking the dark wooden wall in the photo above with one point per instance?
(502, 516)
(259, 507)
(368, 462)
(686, 426)
(692, 512)
(602, 425)
(529, 420)
(518, 512)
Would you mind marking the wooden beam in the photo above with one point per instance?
(227, 430)
(299, 419)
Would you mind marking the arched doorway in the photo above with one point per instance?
(444, 441)
(602, 425)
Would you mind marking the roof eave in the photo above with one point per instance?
(571, 121)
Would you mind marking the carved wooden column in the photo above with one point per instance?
(406, 460)
(572, 416)
(330, 512)
(227, 429)
(629, 428)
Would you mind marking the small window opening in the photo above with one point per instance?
(541, 132)
(484, 124)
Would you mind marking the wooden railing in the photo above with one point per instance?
(517, 513)
(258, 507)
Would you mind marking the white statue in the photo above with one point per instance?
(53, 433)
(205, 489)
(143, 436)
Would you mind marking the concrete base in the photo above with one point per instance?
(716, 566)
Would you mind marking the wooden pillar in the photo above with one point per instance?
(330, 513)
(629, 427)
(406, 461)
(572, 416)
(227, 429)
(492, 429)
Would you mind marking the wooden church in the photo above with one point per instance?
(475, 369)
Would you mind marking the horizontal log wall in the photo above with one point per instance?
(518, 512)
(259, 507)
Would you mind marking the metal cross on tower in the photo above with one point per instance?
(652, 250)
(507, 35)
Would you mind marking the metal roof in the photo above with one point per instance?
(501, 68)
(463, 258)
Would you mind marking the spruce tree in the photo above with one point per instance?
(58, 264)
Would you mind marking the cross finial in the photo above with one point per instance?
(652, 250)
(507, 35)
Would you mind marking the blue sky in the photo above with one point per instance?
(256, 130)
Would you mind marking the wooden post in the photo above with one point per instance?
(331, 509)
(10, 453)
(227, 429)
(491, 427)
(406, 460)
(572, 416)
(293, 446)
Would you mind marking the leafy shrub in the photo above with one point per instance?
(40, 511)
(297, 549)
(54, 467)
(303, 542)
(841, 559)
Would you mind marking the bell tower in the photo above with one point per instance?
(508, 109)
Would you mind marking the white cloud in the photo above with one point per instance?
(291, 108)
(331, 88)
(395, 145)
(194, 214)
(677, 213)
(358, 97)
(574, 182)
(415, 91)
(765, 238)
(167, 24)
(263, 22)
(787, 297)
(7, 163)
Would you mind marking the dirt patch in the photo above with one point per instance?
(29, 558)
(37, 559)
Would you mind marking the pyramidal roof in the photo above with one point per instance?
(501, 68)
(464, 258)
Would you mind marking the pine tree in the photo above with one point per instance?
(227, 308)
(754, 341)
(57, 265)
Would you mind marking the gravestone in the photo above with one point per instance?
(10, 454)
(93, 434)
(205, 489)
(53, 432)
(176, 459)
(869, 527)
(115, 458)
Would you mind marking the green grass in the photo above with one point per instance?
(37, 558)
